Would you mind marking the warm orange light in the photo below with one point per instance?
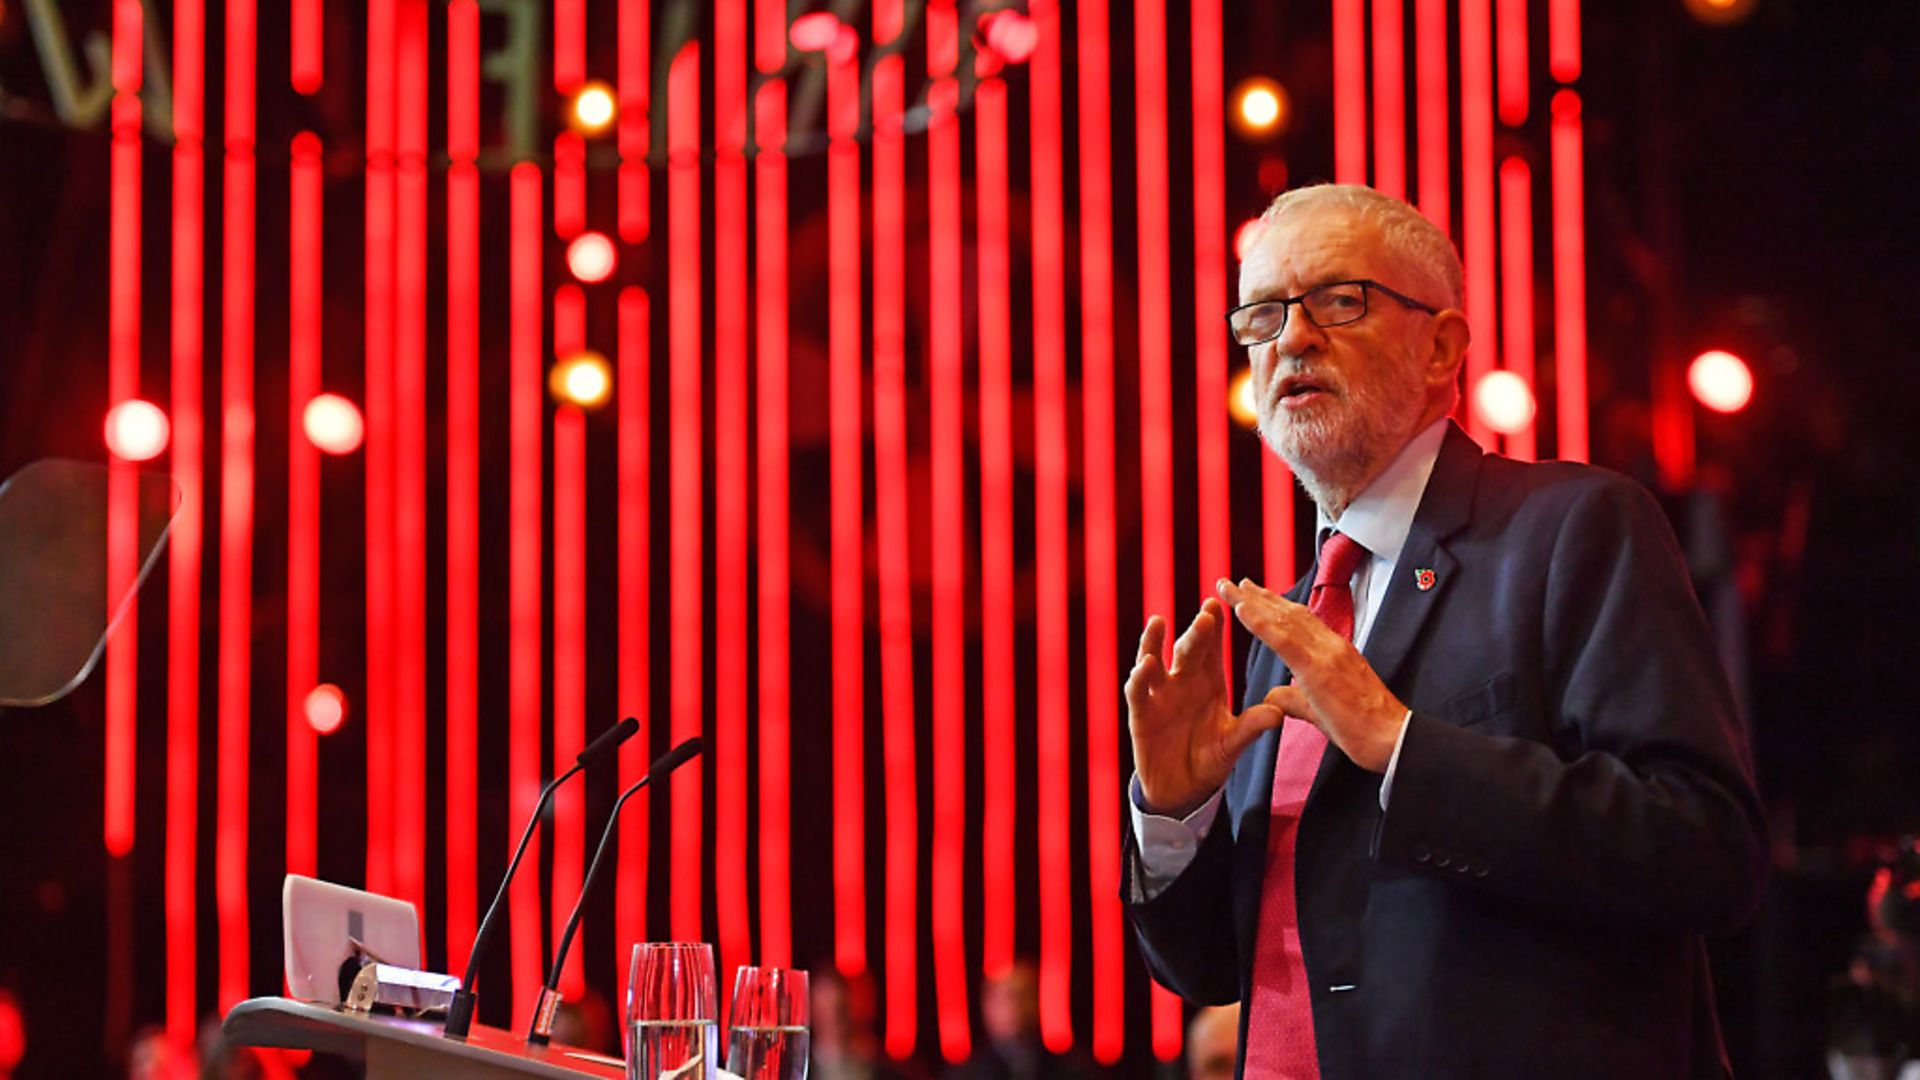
(814, 31)
(333, 424)
(1245, 237)
(1720, 381)
(1720, 12)
(1240, 403)
(136, 430)
(583, 379)
(592, 257)
(1504, 401)
(594, 109)
(326, 708)
(1261, 108)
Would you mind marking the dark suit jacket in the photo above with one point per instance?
(1573, 806)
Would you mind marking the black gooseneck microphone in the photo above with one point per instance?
(460, 1011)
(541, 1028)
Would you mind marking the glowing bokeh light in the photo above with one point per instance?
(1240, 403)
(1261, 108)
(592, 257)
(814, 31)
(594, 109)
(333, 424)
(1720, 12)
(1504, 401)
(326, 708)
(1245, 237)
(1720, 381)
(136, 430)
(13, 1033)
(1011, 35)
(846, 44)
(583, 379)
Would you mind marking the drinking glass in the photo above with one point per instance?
(673, 1028)
(767, 1037)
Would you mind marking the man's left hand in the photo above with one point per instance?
(1334, 687)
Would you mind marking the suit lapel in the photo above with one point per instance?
(1425, 569)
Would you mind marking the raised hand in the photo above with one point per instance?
(1186, 735)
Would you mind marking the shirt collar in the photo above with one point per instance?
(1380, 516)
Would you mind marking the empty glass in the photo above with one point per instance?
(767, 1037)
(673, 1028)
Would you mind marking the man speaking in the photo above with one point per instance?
(1487, 789)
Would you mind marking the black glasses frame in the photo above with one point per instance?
(1367, 285)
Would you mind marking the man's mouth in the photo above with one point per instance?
(1297, 391)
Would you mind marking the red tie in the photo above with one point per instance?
(1280, 1022)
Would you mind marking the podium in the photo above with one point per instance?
(395, 1048)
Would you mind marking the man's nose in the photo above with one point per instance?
(1299, 336)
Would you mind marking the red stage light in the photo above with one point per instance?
(1720, 380)
(592, 257)
(326, 708)
(1504, 402)
(846, 45)
(1245, 237)
(333, 424)
(593, 110)
(13, 1033)
(1011, 35)
(136, 430)
(815, 31)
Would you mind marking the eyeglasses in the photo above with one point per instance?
(1334, 304)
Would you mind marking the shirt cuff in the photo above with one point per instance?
(1167, 845)
(1386, 782)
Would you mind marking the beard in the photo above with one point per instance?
(1338, 444)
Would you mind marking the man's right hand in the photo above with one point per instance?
(1186, 736)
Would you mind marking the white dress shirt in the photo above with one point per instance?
(1378, 519)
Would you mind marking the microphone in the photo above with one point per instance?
(539, 1031)
(460, 1010)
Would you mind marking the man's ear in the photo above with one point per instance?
(1451, 335)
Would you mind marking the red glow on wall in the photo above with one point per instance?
(1720, 381)
(1389, 99)
(305, 277)
(844, 463)
(306, 45)
(1516, 280)
(997, 659)
(569, 672)
(592, 257)
(814, 31)
(525, 404)
(1563, 39)
(381, 301)
(1349, 91)
(1477, 187)
(1276, 501)
(688, 591)
(634, 134)
(569, 44)
(1510, 47)
(323, 709)
(1569, 280)
(136, 430)
(332, 424)
(569, 186)
(1432, 100)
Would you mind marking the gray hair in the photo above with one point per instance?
(1410, 237)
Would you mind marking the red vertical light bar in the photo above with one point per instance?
(525, 404)
(463, 477)
(185, 347)
(569, 660)
(731, 479)
(410, 465)
(1516, 280)
(569, 184)
(236, 506)
(382, 52)
(1569, 280)
(306, 45)
(1563, 39)
(569, 45)
(997, 612)
(634, 467)
(1349, 91)
(1477, 202)
(123, 379)
(683, 404)
(1102, 570)
(1389, 99)
(1151, 189)
(895, 569)
(1276, 496)
(1431, 102)
(1052, 650)
(946, 382)
(303, 502)
(635, 578)
(770, 416)
(848, 527)
(1510, 46)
